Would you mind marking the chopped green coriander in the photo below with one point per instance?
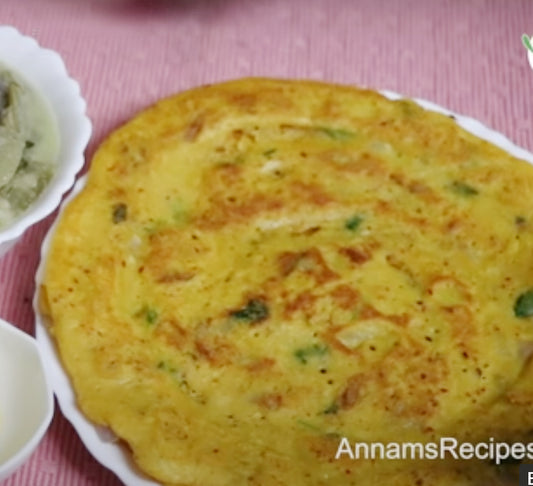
(353, 223)
(254, 311)
(523, 306)
(165, 366)
(303, 355)
(151, 316)
(463, 189)
(179, 212)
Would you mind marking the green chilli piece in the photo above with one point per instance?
(523, 306)
(151, 316)
(180, 214)
(520, 220)
(270, 153)
(119, 213)
(309, 426)
(332, 409)
(353, 223)
(336, 133)
(408, 107)
(173, 372)
(303, 355)
(464, 189)
(254, 311)
(165, 366)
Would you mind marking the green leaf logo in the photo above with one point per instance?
(527, 42)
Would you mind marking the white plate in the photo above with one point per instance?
(100, 441)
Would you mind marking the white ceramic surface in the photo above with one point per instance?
(26, 399)
(44, 70)
(100, 442)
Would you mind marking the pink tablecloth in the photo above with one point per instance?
(465, 55)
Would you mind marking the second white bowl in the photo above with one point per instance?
(26, 399)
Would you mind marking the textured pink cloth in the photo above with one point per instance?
(465, 55)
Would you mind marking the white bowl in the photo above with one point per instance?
(44, 71)
(26, 399)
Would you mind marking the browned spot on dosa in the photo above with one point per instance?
(223, 212)
(172, 333)
(225, 176)
(310, 261)
(270, 401)
(451, 282)
(364, 164)
(355, 255)
(461, 321)
(345, 296)
(246, 101)
(417, 392)
(302, 303)
(167, 246)
(259, 365)
(194, 128)
(310, 193)
(324, 448)
(351, 393)
(216, 351)
(370, 312)
(175, 277)
(288, 261)
(415, 187)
